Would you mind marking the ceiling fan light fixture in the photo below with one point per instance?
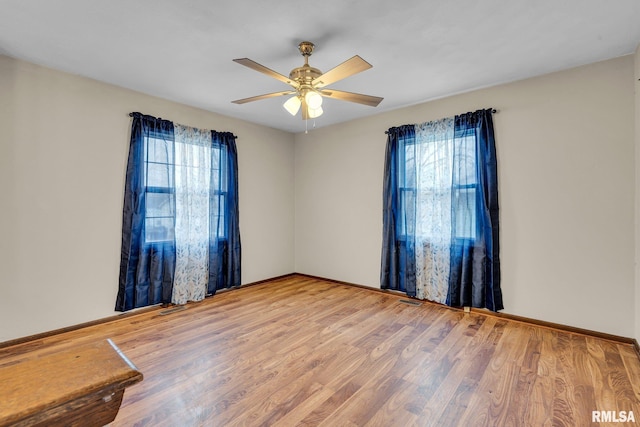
(292, 105)
(313, 99)
(315, 112)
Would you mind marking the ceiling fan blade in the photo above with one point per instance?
(372, 101)
(347, 68)
(268, 71)
(265, 96)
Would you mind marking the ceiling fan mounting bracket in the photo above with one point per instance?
(306, 48)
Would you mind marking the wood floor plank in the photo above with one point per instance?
(300, 351)
(632, 368)
(474, 370)
(492, 400)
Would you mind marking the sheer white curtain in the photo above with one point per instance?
(433, 153)
(192, 190)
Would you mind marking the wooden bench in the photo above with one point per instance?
(76, 386)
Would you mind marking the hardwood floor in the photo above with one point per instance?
(300, 351)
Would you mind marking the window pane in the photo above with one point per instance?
(409, 166)
(408, 211)
(218, 225)
(215, 179)
(465, 211)
(159, 175)
(158, 230)
(159, 204)
(465, 161)
(159, 151)
(434, 166)
(218, 162)
(215, 158)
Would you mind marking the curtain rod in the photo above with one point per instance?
(160, 118)
(493, 111)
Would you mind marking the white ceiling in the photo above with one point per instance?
(419, 49)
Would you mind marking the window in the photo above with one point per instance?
(430, 188)
(161, 159)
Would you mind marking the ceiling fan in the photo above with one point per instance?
(309, 84)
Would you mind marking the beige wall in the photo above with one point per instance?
(565, 144)
(63, 151)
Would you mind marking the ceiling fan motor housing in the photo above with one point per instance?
(304, 75)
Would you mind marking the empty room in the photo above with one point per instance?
(344, 213)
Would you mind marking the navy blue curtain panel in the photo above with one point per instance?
(475, 263)
(146, 270)
(398, 271)
(224, 246)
